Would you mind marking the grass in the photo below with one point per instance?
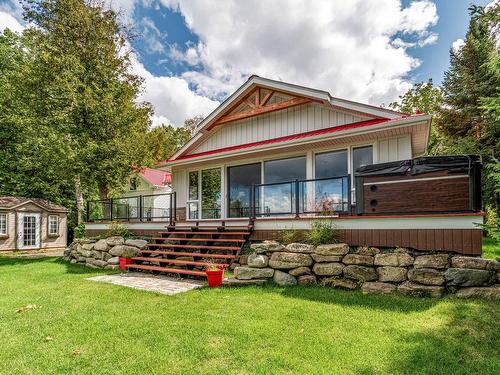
(84, 327)
(491, 249)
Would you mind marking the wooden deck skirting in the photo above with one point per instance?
(462, 241)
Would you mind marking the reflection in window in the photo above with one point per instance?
(361, 156)
(193, 186)
(210, 193)
(279, 199)
(241, 178)
(330, 195)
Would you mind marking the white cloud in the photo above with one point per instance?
(172, 100)
(8, 21)
(345, 47)
(457, 44)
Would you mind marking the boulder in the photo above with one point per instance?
(326, 258)
(124, 251)
(106, 256)
(98, 263)
(247, 273)
(336, 249)
(114, 260)
(284, 278)
(307, 280)
(257, 260)
(363, 260)
(73, 261)
(469, 277)
(418, 290)
(267, 247)
(378, 288)
(115, 241)
(432, 261)
(366, 250)
(101, 245)
(243, 259)
(475, 263)
(390, 273)
(426, 276)
(140, 244)
(339, 283)
(300, 271)
(112, 267)
(360, 273)
(299, 248)
(289, 260)
(393, 259)
(328, 269)
(67, 252)
(86, 253)
(81, 259)
(491, 292)
(97, 254)
(88, 246)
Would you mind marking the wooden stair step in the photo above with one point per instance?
(166, 269)
(208, 233)
(175, 261)
(184, 254)
(208, 247)
(199, 239)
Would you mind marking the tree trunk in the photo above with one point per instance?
(103, 192)
(79, 200)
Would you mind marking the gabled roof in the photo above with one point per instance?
(14, 202)
(156, 176)
(301, 95)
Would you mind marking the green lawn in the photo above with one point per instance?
(84, 327)
(490, 248)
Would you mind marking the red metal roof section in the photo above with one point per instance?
(156, 176)
(290, 137)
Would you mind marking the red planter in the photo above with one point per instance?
(215, 278)
(125, 261)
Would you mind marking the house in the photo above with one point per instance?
(281, 156)
(31, 224)
(147, 198)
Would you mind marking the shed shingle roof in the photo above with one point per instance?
(11, 202)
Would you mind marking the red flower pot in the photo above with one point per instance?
(124, 262)
(215, 278)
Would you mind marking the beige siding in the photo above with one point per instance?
(394, 149)
(277, 124)
(46, 242)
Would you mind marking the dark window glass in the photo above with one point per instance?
(210, 193)
(285, 170)
(331, 164)
(361, 156)
(240, 181)
(193, 186)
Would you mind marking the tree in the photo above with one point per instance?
(469, 116)
(81, 95)
(163, 141)
(191, 124)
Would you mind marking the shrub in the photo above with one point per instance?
(79, 231)
(322, 232)
(117, 229)
(288, 236)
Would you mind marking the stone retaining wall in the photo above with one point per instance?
(103, 253)
(371, 269)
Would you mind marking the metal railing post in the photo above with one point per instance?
(297, 202)
(87, 214)
(170, 211)
(110, 209)
(140, 208)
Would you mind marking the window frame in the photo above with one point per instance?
(6, 216)
(49, 233)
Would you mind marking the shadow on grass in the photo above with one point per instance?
(466, 344)
(333, 296)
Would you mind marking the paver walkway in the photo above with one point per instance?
(153, 283)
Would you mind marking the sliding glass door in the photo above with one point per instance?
(241, 178)
(332, 187)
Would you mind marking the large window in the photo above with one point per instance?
(211, 193)
(3, 224)
(331, 191)
(204, 191)
(53, 225)
(361, 156)
(240, 181)
(279, 198)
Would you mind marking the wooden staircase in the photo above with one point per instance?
(187, 249)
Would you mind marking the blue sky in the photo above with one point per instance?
(193, 53)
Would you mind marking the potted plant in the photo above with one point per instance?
(215, 274)
(124, 260)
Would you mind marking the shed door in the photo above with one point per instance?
(28, 231)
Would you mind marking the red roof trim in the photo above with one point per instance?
(289, 137)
